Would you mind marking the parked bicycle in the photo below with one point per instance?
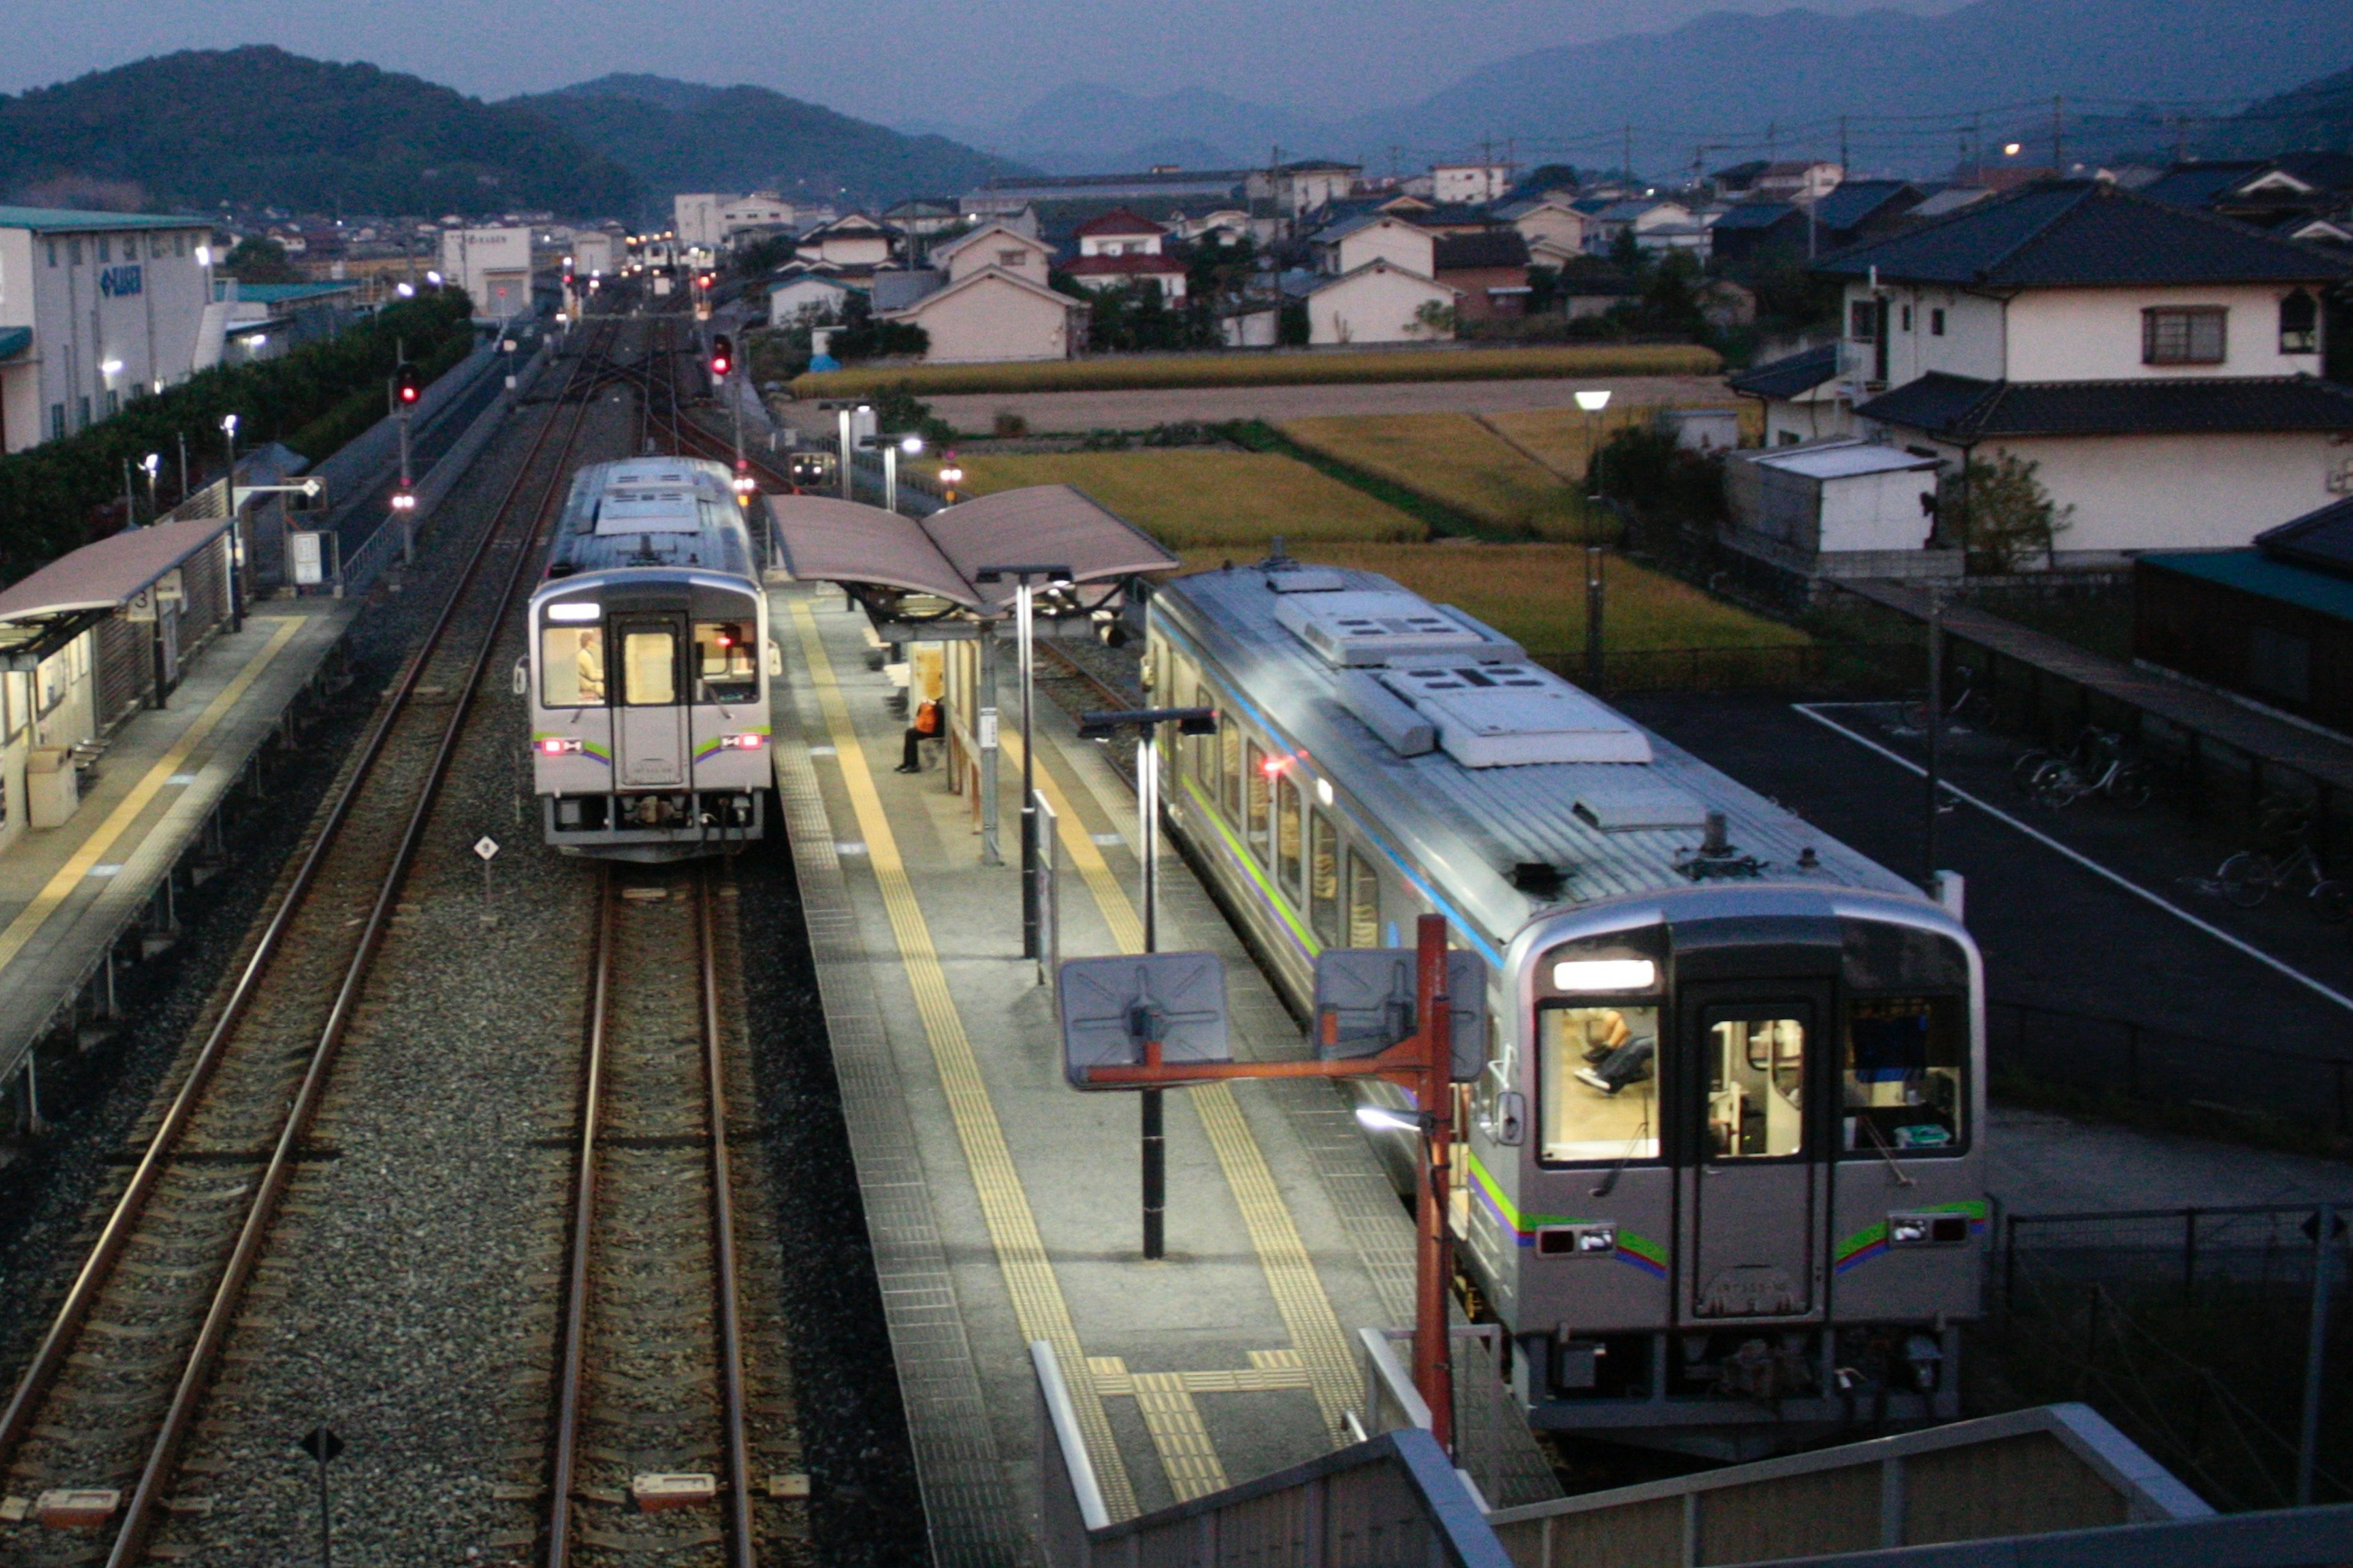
(2100, 767)
(1964, 709)
(2251, 876)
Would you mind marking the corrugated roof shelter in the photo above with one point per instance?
(942, 555)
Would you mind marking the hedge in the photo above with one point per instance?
(61, 495)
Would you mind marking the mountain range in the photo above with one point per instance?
(1733, 85)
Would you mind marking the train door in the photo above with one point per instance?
(1752, 1177)
(650, 746)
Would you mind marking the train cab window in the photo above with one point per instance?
(1365, 904)
(1257, 787)
(1597, 1082)
(1324, 879)
(648, 667)
(572, 667)
(724, 670)
(1756, 1088)
(1902, 1078)
(1287, 835)
(1229, 765)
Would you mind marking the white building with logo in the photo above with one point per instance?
(96, 308)
(493, 267)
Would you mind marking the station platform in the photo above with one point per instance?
(1004, 1206)
(73, 895)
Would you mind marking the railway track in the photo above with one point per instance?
(653, 1421)
(99, 1418)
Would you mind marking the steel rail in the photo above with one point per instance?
(573, 1359)
(97, 1269)
(724, 1282)
(131, 1538)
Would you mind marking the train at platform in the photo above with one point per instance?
(649, 666)
(1722, 1173)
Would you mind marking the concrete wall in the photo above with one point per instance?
(2172, 492)
(1877, 511)
(1375, 306)
(993, 320)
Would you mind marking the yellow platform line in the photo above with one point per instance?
(34, 915)
(1165, 1401)
(1037, 1303)
(1269, 1372)
(1299, 1293)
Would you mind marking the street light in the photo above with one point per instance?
(1025, 616)
(1102, 728)
(153, 463)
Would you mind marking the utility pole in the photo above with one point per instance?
(1842, 153)
(2058, 134)
(1625, 165)
(1935, 729)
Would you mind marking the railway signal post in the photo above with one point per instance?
(1422, 1064)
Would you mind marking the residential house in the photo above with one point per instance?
(1474, 184)
(1489, 272)
(1655, 223)
(1546, 218)
(993, 301)
(1349, 244)
(1305, 185)
(1803, 397)
(1751, 230)
(1379, 303)
(1217, 227)
(1947, 200)
(1737, 181)
(2297, 195)
(2159, 365)
(1797, 179)
(1119, 248)
(1553, 253)
(802, 294)
(852, 239)
(926, 217)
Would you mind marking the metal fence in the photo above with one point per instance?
(2121, 1056)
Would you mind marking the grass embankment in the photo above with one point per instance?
(1261, 369)
(1193, 499)
(1534, 593)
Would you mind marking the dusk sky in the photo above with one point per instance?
(896, 61)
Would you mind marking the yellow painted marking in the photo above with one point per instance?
(1269, 1372)
(1037, 1303)
(1175, 1423)
(33, 916)
(1270, 1359)
(1299, 1293)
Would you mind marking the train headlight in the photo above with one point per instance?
(558, 745)
(751, 742)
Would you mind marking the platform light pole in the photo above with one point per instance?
(1593, 402)
(1935, 732)
(1102, 728)
(1025, 578)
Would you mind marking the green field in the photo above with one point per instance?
(1534, 593)
(1458, 462)
(1192, 497)
(1268, 369)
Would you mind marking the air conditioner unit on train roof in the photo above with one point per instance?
(1511, 715)
(1379, 626)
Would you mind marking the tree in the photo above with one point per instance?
(1548, 177)
(1434, 318)
(2000, 513)
(259, 259)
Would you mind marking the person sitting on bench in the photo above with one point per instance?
(931, 722)
(1623, 1057)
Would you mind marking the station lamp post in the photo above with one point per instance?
(891, 446)
(1593, 402)
(1025, 578)
(153, 464)
(1103, 729)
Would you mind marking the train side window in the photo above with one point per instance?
(1597, 1082)
(1287, 835)
(1756, 1088)
(1365, 903)
(1229, 763)
(724, 669)
(1257, 787)
(1905, 1089)
(648, 668)
(572, 667)
(1324, 879)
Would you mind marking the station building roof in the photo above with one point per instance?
(826, 540)
(66, 220)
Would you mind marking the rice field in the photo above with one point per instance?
(1460, 463)
(1191, 498)
(1559, 438)
(1262, 368)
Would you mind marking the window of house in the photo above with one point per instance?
(1364, 902)
(2182, 334)
(1862, 321)
(572, 667)
(1902, 1088)
(1010, 259)
(1288, 834)
(2299, 325)
(56, 421)
(1936, 323)
(1598, 1083)
(1257, 791)
(1324, 879)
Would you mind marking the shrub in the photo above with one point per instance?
(1009, 426)
(2000, 513)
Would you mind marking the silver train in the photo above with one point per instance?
(648, 674)
(1724, 1165)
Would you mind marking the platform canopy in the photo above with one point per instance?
(41, 613)
(942, 555)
